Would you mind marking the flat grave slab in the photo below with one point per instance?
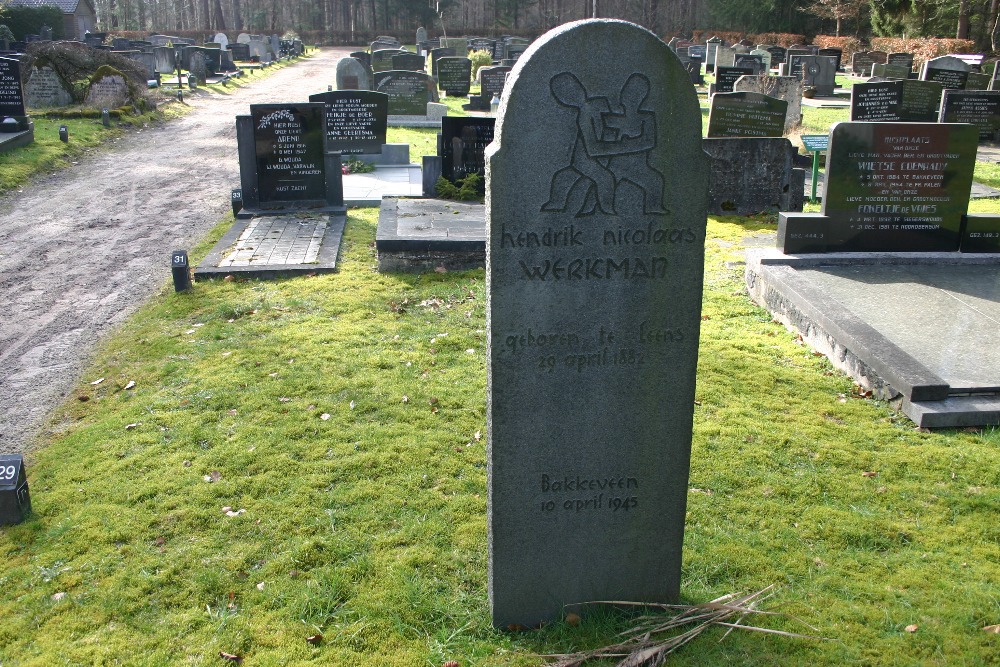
(923, 330)
(386, 181)
(416, 235)
(273, 246)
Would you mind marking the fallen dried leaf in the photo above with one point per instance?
(314, 639)
(260, 586)
(189, 331)
(231, 413)
(572, 619)
(160, 541)
(352, 405)
(232, 657)
(58, 596)
(186, 464)
(477, 435)
(284, 399)
(911, 628)
(440, 269)
(995, 629)
(129, 385)
(450, 663)
(82, 398)
(213, 476)
(236, 513)
(406, 399)
(869, 474)
(325, 416)
(97, 381)
(129, 427)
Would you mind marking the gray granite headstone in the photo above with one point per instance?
(243, 38)
(746, 115)
(421, 34)
(164, 59)
(820, 72)
(725, 56)
(765, 57)
(352, 74)
(409, 92)
(594, 277)
(221, 39)
(107, 92)
(977, 81)
(45, 88)
(785, 88)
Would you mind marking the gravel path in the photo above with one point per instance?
(82, 249)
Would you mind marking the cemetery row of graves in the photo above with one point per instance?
(362, 520)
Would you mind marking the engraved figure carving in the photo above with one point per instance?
(612, 146)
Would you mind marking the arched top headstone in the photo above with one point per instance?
(221, 39)
(243, 38)
(597, 192)
(352, 74)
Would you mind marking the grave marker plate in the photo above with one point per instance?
(356, 120)
(288, 140)
(594, 278)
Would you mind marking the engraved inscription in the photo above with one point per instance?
(607, 494)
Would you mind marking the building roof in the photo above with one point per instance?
(68, 6)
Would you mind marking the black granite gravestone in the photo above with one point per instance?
(746, 115)
(949, 71)
(463, 145)
(906, 100)
(382, 59)
(979, 107)
(454, 75)
(725, 77)
(356, 120)
(410, 61)
(861, 63)
(889, 187)
(288, 142)
(437, 54)
(754, 62)
(11, 94)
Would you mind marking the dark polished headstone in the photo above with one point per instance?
(725, 77)
(410, 61)
(949, 71)
(746, 115)
(454, 75)
(288, 143)
(900, 187)
(382, 59)
(979, 107)
(463, 146)
(409, 92)
(437, 54)
(11, 93)
(356, 120)
(896, 101)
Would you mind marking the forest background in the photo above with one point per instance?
(357, 21)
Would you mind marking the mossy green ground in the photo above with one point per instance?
(308, 456)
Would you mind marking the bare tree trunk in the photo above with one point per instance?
(963, 20)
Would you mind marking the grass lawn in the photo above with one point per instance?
(306, 457)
